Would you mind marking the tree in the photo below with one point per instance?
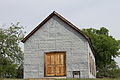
(7, 68)
(106, 48)
(119, 43)
(20, 71)
(11, 55)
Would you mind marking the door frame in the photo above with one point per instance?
(55, 53)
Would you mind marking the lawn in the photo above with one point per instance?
(87, 79)
(61, 79)
(64, 79)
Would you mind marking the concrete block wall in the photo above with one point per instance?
(93, 58)
(55, 35)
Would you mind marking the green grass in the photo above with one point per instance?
(65, 79)
(12, 79)
(88, 79)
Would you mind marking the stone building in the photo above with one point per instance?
(57, 48)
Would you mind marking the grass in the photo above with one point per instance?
(12, 79)
(89, 79)
(65, 79)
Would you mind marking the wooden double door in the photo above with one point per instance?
(55, 64)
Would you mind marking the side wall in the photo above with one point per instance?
(55, 35)
(91, 63)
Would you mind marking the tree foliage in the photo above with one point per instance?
(11, 54)
(20, 72)
(7, 68)
(105, 46)
(113, 73)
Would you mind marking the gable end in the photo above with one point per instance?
(64, 20)
(50, 16)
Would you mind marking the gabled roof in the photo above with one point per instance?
(64, 20)
(49, 17)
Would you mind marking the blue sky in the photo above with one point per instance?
(82, 13)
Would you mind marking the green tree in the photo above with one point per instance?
(20, 71)
(119, 43)
(11, 55)
(106, 48)
(7, 68)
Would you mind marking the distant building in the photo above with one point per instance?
(57, 48)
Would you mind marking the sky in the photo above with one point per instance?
(82, 13)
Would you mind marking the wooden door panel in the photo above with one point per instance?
(60, 70)
(55, 64)
(50, 68)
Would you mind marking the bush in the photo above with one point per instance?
(113, 73)
(20, 71)
(7, 68)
